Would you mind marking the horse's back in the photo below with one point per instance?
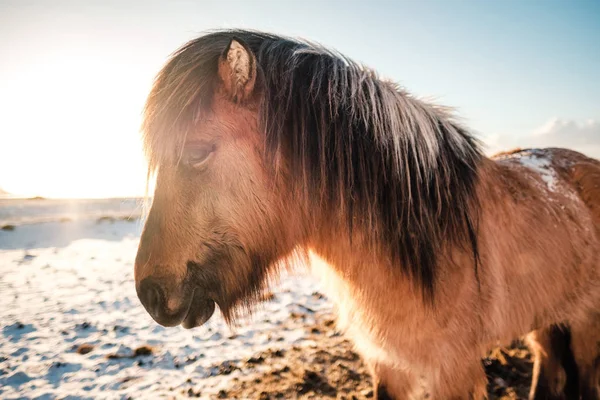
(566, 181)
(575, 172)
(543, 234)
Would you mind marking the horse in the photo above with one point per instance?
(269, 151)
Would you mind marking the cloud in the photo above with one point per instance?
(557, 132)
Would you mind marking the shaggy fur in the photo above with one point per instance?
(399, 168)
(266, 147)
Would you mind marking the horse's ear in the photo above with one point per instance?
(237, 70)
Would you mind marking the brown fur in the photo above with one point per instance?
(540, 250)
(219, 231)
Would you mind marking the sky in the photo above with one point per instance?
(74, 74)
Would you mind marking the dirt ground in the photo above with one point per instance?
(328, 368)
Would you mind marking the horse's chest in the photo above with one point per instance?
(376, 335)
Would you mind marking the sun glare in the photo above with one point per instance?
(74, 129)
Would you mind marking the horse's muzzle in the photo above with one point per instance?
(193, 309)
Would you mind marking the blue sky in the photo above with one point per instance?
(74, 74)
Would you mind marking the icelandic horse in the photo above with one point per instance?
(267, 149)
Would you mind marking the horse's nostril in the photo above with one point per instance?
(155, 300)
(150, 294)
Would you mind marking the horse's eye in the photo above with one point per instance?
(197, 156)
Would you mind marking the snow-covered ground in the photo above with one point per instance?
(67, 288)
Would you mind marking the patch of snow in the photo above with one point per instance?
(539, 161)
(542, 164)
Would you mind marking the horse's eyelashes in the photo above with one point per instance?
(197, 156)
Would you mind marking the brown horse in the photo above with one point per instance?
(267, 149)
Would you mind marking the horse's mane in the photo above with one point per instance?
(398, 167)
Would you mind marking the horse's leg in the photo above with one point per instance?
(585, 342)
(390, 383)
(479, 390)
(554, 369)
(467, 382)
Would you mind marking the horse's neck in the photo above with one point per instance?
(360, 277)
(353, 272)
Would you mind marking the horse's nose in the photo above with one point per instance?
(153, 298)
(150, 294)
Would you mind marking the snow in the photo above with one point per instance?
(67, 284)
(537, 160)
(540, 164)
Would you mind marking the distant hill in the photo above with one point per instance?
(3, 193)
